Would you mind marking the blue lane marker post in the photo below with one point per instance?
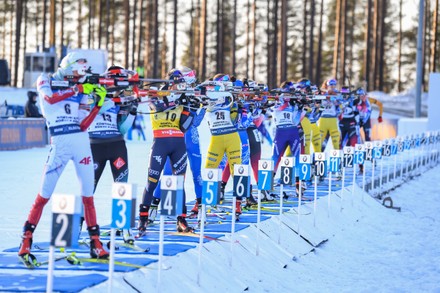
(407, 148)
(210, 196)
(369, 157)
(348, 162)
(393, 143)
(359, 158)
(377, 156)
(334, 167)
(305, 172)
(386, 153)
(400, 149)
(265, 182)
(122, 218)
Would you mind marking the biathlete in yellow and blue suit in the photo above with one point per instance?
(330, 110)
(192, 149)
(311, 114)
(221, 115)
(169, 122)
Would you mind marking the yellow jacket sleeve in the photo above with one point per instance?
(378, 103)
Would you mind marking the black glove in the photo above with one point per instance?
(292, 102)
(133, 108)
(194, 104)
(183, 100)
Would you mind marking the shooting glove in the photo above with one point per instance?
(183, 100)
(100, 92)
(85, 88)
(195, 104)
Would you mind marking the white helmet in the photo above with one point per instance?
(74, 61)
(252, 83)
(189, 75)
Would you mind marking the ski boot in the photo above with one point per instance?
(361, 169)
(339, 175)
(143, 221)
(237, 210)
(182, 225)
(24, 253)
(222, 191)
(267, 196)
(96, 249)
(127, 235)
(250, 201)
(26, 242)
(196, 208)
(312, 174)
(303, 188)
(152, 212)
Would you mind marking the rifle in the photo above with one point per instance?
(117, 83)
(128, 79)
(169, 97)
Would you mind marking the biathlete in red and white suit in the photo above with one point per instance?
(67, 117)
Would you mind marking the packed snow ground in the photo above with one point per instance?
(369, 248)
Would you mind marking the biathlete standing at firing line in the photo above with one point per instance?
(192, 148)
(311, 112)
(308, 129)
(245, 116)
(221, 115)
(349, 119)
(107, 135)
(264, 116)
(330, 110)
(365, 110)
(67, 116)
(287, 117)
(170, 119)
(257, 112)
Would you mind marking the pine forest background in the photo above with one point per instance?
(370, 43)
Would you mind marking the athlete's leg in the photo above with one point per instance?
(280, 144)
(316, 137)
(335, 133)
(195, 159)
(216, 150)
(255, 149)
(307, 130)
(178, 159)
(119, 161)
(367, 130)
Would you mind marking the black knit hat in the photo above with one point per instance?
(31, 94)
